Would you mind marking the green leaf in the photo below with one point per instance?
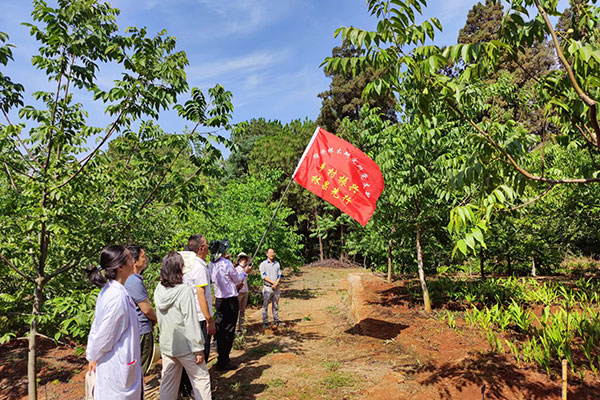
(462, 246)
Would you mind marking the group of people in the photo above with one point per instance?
(121, 344)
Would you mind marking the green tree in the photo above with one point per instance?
(243, 138)
(240, 210)
(344, 98)
(567, 94)
(483, 23)
(66, 201)
(413, 157)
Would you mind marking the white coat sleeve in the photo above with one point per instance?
(109, 324)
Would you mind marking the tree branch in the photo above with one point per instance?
(45, 337)
(511, 160)
(59, 271)
(515, 58)
(53, 119)
(17, 270)
(89, 156)
(591, 103)
(12, 182)
(533, 200)
(22, 143)
(587, 138)
(17, 170)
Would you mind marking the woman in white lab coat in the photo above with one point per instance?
(113, 349)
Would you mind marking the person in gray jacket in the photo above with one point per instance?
(181, 341)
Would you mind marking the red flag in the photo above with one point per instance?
(341, 174)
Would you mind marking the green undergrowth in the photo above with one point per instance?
(538, 323)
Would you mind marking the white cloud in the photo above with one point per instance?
(293, 90)
(220, 18)
(254, 62)
(246, 16)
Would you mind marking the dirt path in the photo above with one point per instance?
(311, 357)
(347, 335)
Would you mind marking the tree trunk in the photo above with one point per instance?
(482, 263)
(389, 272)
(321, 248)
(321, 258)
(37, 309)
(32, 356)
(508, 260)
(533, 272)
(342, 255)
(426, 301)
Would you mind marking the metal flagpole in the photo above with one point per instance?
(271, 222)
(284, 193)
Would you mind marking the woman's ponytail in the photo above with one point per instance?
(111, 258)
(94, 275)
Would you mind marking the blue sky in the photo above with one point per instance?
(266, 52)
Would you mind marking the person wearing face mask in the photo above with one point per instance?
(146, 315)
(113, 348)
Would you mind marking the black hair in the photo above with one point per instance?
(112, 257)
(135, 251)
(171, 270)
(194, 242)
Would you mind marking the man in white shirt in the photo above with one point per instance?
(199, 279)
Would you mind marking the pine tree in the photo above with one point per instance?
(483, 24)
(344, 97)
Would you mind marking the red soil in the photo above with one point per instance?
(347, 335)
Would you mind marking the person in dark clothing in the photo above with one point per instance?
(225, 278)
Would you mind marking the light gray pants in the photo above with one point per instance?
(243, 300)
(270, 296)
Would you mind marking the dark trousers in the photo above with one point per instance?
(225, 321)
(207, 339)
(185, 386)
(147, 351)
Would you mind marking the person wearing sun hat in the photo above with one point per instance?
(242, 261)
(225, 278)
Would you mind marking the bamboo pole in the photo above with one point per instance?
(564, 379)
